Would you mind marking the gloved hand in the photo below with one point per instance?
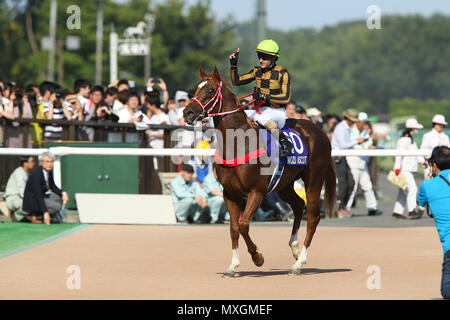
(260, 96)
(397, 172)
(234, 58)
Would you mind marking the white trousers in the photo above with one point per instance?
(407, 197)
(362, 177)
(276, 114)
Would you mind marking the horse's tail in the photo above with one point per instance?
(330, 189)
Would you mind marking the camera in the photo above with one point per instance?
(60, 94)
(19, 93)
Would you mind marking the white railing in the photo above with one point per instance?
(62, 151)
(21, 151)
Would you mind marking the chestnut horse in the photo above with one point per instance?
(214, 99)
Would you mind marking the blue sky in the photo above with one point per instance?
(290, 14)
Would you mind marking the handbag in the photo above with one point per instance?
(397, 180)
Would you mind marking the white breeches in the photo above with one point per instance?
(362, 177)
(276, 114)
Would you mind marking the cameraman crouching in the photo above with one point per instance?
(436, 193)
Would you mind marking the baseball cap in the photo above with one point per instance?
(187, 168)
(203, 145)
(363, 116)
(300, 109)
(313, 112)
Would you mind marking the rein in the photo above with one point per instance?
(218, 98)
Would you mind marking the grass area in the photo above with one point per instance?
(16, 235)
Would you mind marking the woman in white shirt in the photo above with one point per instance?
(156, 137)
(435, 138)
(407, 166)
(132, 114)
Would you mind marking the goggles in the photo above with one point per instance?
(265, 56)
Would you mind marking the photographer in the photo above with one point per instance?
(57, 109)
(103, 111)
(37, 112)
(111, 97)
(436, 193)
(6, 92)
(18, 107)
(158, 82)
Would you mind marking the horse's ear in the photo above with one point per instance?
(216, 73)
(202, 73)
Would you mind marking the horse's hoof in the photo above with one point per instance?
(260, 262)
(229, 274)
(295, 272)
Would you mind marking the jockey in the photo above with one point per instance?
(272, 92)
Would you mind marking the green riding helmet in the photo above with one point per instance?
(268, 47)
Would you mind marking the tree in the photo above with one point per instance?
(182, 40)
(422, 110)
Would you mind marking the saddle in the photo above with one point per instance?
(297, 156)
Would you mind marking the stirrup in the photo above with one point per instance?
(285, 146)
(284, 152)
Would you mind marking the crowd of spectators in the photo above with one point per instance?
(118, 102)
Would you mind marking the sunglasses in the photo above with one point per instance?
(264, 56)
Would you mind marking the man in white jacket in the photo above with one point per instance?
(436, 137)
(358, 167)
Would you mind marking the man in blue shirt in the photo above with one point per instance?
(436, 193)
(216, 203)
(188, 197)
(341, 140)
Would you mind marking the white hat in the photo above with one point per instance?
(313, 112)
(181, 95)
(363, 116)
(413, 124)
(439, 119)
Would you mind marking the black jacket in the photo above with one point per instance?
(35, 189)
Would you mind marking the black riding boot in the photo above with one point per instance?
(285, 145)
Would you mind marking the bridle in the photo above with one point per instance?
(217, 98)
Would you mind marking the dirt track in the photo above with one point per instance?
(186, 262)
